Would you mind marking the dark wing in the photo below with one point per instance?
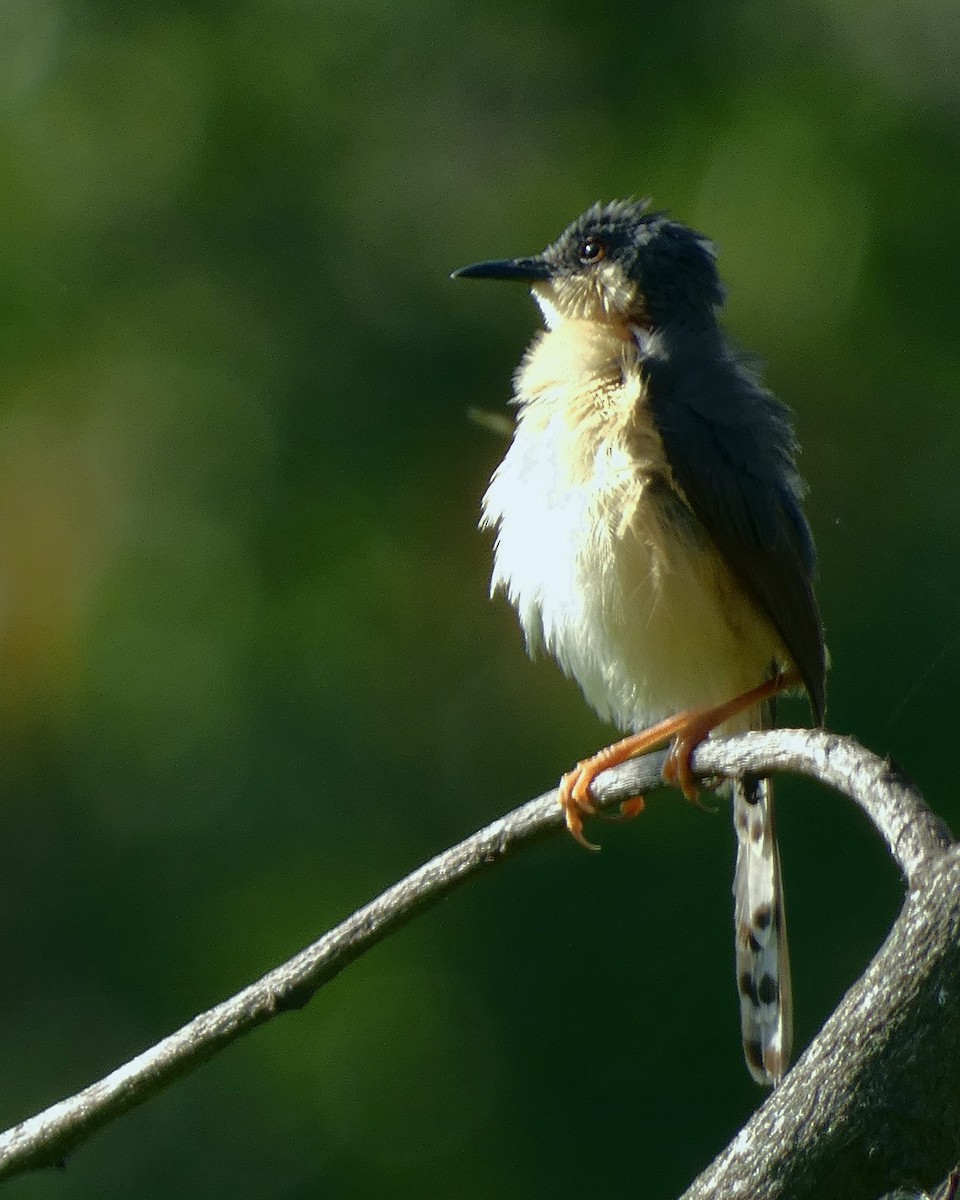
(731, 447)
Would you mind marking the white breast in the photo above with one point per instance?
(642, 613)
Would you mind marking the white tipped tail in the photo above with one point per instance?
(763, 962)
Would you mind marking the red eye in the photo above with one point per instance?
(592, 250)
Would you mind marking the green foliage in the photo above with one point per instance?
(249, 672)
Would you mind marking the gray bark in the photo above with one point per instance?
(872, 1106)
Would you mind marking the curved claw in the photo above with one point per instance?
(688, 729)
(575, 800)
(677, 769)
(691, 728)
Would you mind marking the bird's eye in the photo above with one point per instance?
(592, 250)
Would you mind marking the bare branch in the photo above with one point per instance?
(875, 1100)
(914, 835)
(946, 1191)
(917, 839)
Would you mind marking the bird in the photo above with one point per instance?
(650, 533)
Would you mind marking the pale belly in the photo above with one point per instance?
(633, 602)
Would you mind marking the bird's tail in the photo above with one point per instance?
(763, 961)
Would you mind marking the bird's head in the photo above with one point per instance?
(619, 262)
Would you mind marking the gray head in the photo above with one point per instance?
(619, 262)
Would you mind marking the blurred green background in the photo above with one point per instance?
(250, 675)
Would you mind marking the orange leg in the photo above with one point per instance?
(687, 729)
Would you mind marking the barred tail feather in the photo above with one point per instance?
(763, 962)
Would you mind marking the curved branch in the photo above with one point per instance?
(916, 838)
(946, 1191)
(914, 835)
(875, 1099)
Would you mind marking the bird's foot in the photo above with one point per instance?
(575, 799)
(698, 724)
(676, 767)
(577, 802)
(678, 773)
(575, 795)
(685, 730)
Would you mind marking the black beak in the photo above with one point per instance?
(526, 269)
